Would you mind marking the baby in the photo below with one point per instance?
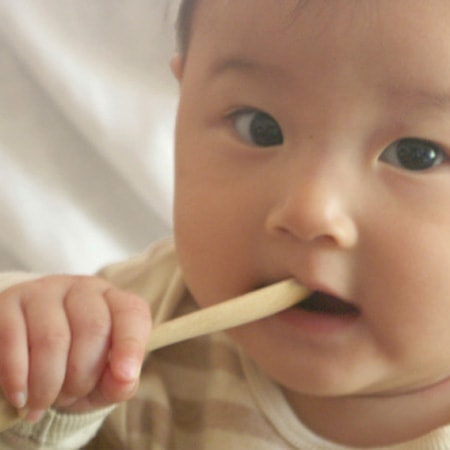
(313, 143)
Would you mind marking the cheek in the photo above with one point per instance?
(220, 207)
(215, 236)
(405, 246)
(405, 285)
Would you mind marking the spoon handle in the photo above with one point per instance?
(229, 314)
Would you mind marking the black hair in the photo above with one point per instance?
(183, 24)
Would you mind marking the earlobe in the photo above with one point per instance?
(177, 66)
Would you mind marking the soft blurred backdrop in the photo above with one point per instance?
(87, 113)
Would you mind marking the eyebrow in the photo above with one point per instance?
(422, 98)
(246, 65)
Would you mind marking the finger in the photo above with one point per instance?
(90, 325)
(131, 325)
(49, 343)
(109, 391)
(14, 355)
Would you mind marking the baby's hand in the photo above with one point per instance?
(76, 343)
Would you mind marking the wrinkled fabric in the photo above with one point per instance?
(87, 110)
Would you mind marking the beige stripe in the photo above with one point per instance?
(214, 439)
(152, 425)
(193, 417)
(202, 354)
(149, 421)
(203, 385)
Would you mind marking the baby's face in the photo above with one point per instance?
(314, 143)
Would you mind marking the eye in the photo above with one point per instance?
(413, 154)
(257, 128)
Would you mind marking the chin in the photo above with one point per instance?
(323, 382)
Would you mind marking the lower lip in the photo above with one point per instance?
(316, 323)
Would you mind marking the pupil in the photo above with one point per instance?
(265, 131)
(416, 155)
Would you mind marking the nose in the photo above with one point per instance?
(314, 208)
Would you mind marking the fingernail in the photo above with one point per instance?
(128, 369)
(18, 399)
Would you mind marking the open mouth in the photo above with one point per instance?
(321, 303)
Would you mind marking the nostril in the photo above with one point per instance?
(331, 225)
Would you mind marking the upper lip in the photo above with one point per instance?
(316, 287)
(324, 289)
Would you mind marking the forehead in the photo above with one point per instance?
(287, 32)
(269, 15)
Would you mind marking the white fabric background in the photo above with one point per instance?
(87, 111)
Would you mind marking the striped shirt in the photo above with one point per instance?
(199, 394)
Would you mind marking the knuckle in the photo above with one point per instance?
(83, 283)
(136, 306)
(52, 340)
(44, 284)
(29, 291)
(97, 326)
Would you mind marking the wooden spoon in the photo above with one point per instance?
(232, 313)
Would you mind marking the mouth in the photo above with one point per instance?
(322, 303)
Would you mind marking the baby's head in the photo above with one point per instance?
(313, 142)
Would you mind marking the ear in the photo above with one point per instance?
(177, 66)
